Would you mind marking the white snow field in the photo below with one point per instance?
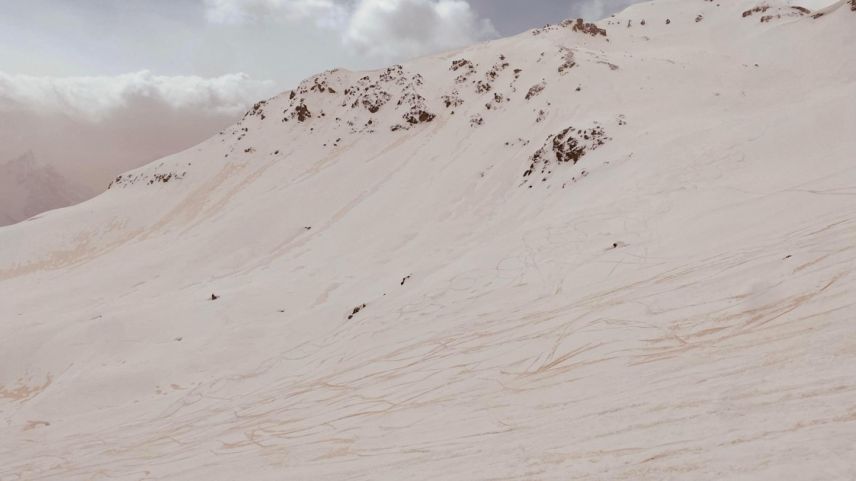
(644, 271)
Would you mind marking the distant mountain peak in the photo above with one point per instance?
(28, 187)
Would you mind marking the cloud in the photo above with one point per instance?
(593, 10)
(94, 98)
(90, 129)
(599, 9)
(326, 13)
(387, 30)
(392, 29)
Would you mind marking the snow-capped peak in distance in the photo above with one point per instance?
(610, 250)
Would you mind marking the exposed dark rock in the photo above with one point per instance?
(579, 25)
(356, 310)
(754, 10)
(568, 146)
(418, 116)
(257, 110)
(535, 90)
(459, 64)
(497, 99)
(302, 112)
(483, 87)
(568, 62)
(452, 99)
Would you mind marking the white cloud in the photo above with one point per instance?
(326, 13)
(593, 10)
(388, 30)
(392, 29)
(94, 98)
(599, 9)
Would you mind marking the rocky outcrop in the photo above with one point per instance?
(567, 146)
(581, 26)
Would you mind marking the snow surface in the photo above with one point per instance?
(397, 300)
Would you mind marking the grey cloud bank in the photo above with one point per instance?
(95, 98)
(89, 128)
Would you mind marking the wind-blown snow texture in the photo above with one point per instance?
(644, 270)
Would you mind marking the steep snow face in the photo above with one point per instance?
(612, 251)
(28, 188)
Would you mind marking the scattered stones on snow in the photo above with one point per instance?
(498, 98)
(126, 180)
(536, 89)
(257, 110)
(793, 11)
(754, 10)
(568, 60)
(356, 310)
(452, 99)
(461, 63)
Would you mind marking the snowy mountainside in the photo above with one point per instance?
(620, 250)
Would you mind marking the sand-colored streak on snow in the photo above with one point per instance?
(677, 304)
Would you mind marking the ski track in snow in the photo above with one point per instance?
(397, 300)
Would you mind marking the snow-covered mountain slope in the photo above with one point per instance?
(28, 187)
(612, 251)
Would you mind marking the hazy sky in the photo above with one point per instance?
(93, 86)
(279, 40)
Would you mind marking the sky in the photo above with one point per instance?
(95, 87)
